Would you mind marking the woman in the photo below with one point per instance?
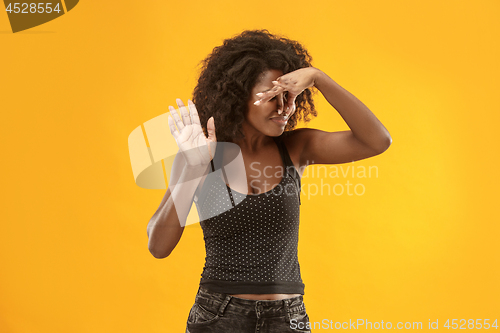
(251, 92)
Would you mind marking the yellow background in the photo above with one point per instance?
(420, 244)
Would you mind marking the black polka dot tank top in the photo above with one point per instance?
(251, 239)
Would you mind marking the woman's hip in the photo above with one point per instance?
(219, 312)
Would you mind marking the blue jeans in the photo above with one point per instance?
(217, 312)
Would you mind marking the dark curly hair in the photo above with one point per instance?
(230, 72)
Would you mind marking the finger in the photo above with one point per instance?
(211, 137)
(281, 84)
(173, 129)
(177, 119)
(211, 129)
(286, 81)
(291, 101)
(265, 96)
(283, 79)
(195, 118)
(184, 112)
(281, 104)
(291, 110)
(270, 93)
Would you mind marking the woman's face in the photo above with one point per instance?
(265, 117)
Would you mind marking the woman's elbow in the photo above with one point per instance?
(384, 144)
(159, 251)
(159, 254)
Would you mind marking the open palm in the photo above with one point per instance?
(197, 149)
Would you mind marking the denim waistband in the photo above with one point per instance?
(225, 302)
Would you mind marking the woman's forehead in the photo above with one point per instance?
(265, 79)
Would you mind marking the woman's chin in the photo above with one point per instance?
(276, 132)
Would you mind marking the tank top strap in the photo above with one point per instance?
(287, 162)
(285, 157)
(218, 165)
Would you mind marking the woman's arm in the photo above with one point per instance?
(167, 224)
(190, 166)
(364, 125)
(367, 136)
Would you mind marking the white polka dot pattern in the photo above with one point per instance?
(255, 241)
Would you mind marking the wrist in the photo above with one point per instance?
(200, 168)
(316, 75)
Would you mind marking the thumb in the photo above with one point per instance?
(211, 129)
(291, 104)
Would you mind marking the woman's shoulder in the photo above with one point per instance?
(296, 135)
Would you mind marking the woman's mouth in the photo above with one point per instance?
(280, 120)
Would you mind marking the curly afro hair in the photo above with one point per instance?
(230, 72)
